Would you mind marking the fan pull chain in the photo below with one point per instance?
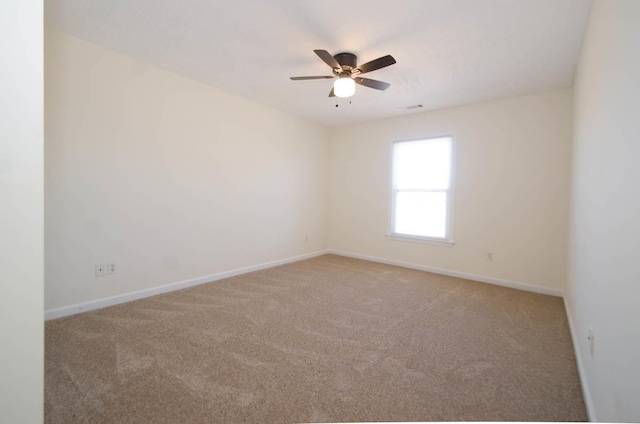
(337, 105)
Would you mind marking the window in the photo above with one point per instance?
(422, 190)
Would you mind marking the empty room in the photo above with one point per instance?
(320, 211)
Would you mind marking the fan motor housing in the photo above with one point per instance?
(348, 61)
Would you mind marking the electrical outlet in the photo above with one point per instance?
(306, 238)
(100, 270)
(111, 268)
(489, 256)
(592, 340)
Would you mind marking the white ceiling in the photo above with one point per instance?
(449, 52)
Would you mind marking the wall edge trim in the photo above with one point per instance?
(584, 384)
(442, 271)
(104, 302)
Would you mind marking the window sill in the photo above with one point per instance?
(423, 240)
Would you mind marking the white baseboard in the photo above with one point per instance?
(480, 278)
(586, 393)
(128, 297)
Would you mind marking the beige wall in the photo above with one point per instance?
(170, 178)
(21, 212)
(603, 292)
(174, 180)
(512, 188)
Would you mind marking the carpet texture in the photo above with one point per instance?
(326, 339)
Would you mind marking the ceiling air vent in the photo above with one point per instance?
(411, 107)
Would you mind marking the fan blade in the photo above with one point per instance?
(379, 63)
(332, 94)
(311, 78)
(328, 59)
(371, 83)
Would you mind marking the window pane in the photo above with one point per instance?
(422, 164)
(421, 214)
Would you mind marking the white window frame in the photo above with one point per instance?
(447, 240)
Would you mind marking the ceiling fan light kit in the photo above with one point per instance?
(344, 87)
(344, 67)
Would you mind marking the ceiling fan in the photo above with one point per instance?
(344, 66)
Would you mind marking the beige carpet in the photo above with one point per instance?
(326, 339)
